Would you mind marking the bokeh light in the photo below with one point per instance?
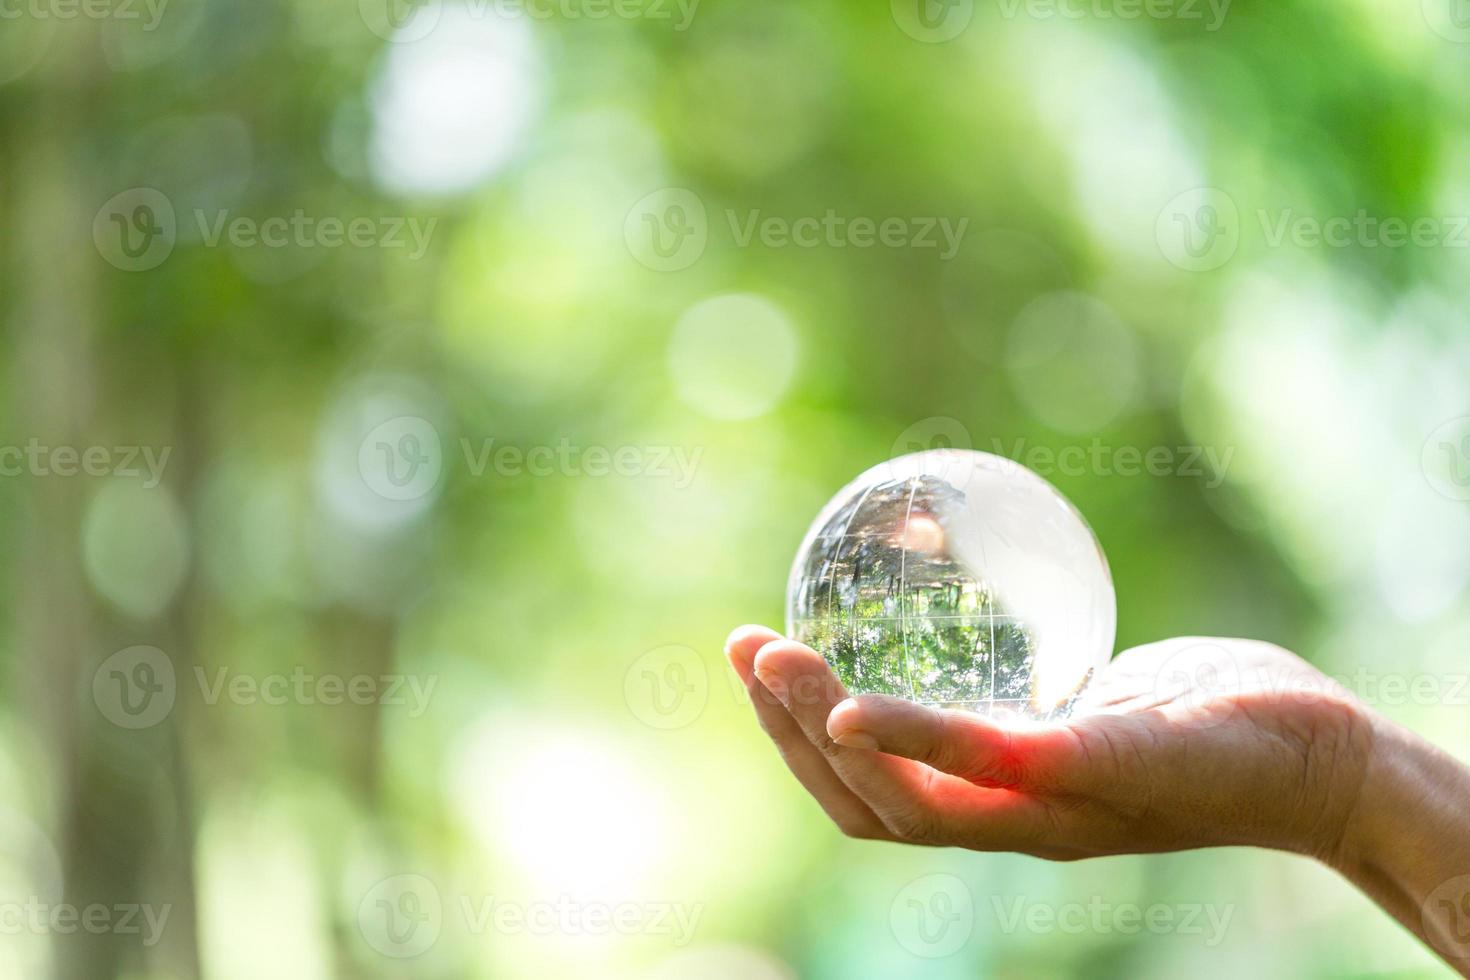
(452, 107)
(513, 487)
(732, 357)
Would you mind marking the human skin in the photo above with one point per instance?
(1186, 743)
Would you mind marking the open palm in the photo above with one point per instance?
(1185, 743)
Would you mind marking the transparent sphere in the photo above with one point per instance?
(955, 578)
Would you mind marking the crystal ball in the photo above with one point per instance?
(958, 579)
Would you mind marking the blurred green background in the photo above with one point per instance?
(415, 613)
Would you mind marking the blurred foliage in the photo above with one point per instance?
(541, 608)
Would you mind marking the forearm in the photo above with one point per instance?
(1407, 843)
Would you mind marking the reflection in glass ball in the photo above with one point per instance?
(955, 578)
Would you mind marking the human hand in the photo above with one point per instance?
(1187, 743)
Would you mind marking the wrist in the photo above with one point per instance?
(1410, 795)
(1404, 840)
(1383, 792)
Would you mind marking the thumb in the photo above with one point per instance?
(1015, 754)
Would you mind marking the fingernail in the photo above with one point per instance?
(856, 740)
(774, 684)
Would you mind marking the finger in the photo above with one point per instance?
(1015, 755)
(915, 802)
(854, 817)
(995, 785)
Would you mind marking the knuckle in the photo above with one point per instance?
(914, 823)
(980, 773)
(946, 757)
(1001, 772)
(824, 743)
(941, 748)
(955, 751)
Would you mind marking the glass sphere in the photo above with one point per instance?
(955, 578)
